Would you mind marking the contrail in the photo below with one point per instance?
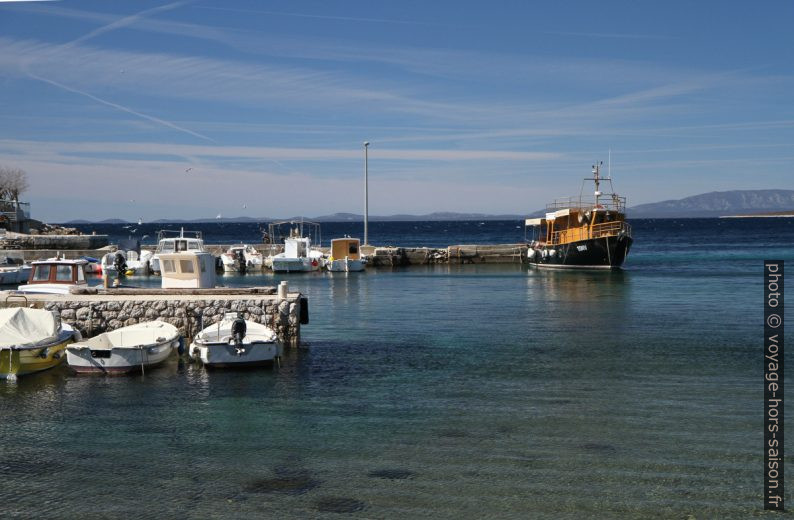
(122, 22)
(127, 20)
(122, 108)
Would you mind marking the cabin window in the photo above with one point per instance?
(80, 274)
(41, 273)
(168, 266)
(186, 266)
(63, 273)
(192, 245)
(353, 249)
(168, 247)
(181, 245)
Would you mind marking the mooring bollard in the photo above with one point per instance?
(282, 290)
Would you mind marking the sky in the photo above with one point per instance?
(189, 109)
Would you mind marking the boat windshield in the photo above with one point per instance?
(41, 273)
(63, 273)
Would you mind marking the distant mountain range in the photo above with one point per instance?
(714, 204)
(719, 204)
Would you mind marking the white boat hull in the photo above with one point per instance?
(294, 265)
(227, 354)
(345, 265)
(120, 360)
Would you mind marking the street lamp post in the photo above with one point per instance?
(366, 193)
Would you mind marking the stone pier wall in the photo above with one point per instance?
(94, 314)
(463, 254)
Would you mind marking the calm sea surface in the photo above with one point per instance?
(436, 392)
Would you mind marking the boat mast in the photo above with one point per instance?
(596, 179)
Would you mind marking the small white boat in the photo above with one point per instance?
(298, 255)
(242, 258)
(345, 256)
(31, 340)
(14, 273)
(128, 349)
(170, 241)
(187, 270)
(55, 276)
(235, 342)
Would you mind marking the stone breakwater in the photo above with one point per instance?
(464, 254)
(94, 314)
(16, 241)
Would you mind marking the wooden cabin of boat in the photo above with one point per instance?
(187, 270)
(55, 275)
(346, 247)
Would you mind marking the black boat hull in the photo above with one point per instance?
(595, 253)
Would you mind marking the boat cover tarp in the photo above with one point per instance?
(23, 327)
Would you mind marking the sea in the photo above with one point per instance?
(444, 391)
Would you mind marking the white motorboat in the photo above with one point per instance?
(128, 349)
(298, 255)
(235, 342)
(242, 258)
(31, 340)
(170, 241)
(55, 276)
(187, 270)
(12, 272)
(345, 255)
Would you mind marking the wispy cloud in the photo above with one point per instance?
(321, 16)
(63, 148)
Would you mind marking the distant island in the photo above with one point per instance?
(737, 203)
(719, 204)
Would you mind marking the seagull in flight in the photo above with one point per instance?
(188, 170)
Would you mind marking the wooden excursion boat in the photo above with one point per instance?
(579, 233)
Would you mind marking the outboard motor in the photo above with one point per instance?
(120, 264)
(238, 330)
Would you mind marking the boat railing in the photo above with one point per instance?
(173, 233)
(604, 229)
(607, 201)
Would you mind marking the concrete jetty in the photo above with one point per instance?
(96, 310)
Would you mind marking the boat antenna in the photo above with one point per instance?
(597, 179)
(609, 165)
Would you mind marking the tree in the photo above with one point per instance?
(13, 183)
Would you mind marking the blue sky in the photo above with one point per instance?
(192, 108)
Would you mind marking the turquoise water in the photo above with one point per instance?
(436, 392)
